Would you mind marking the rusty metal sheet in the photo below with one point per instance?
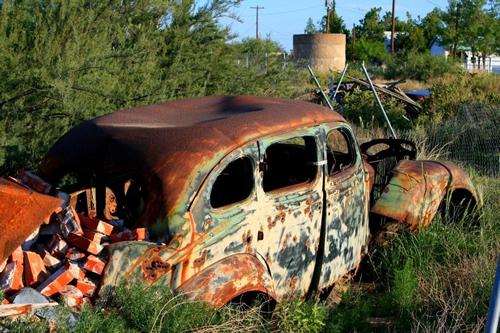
(22, 211)
(228, 278)
(174, 145)
(416, 190)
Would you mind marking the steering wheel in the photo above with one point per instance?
(396, 148)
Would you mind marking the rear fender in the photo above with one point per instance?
(228, 278)
(416, 190)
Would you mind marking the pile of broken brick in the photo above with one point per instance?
(62, 260)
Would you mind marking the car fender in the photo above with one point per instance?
(228, 278)
(417, 188)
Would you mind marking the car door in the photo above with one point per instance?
(224, 210)
(346, 204)
(290, 192)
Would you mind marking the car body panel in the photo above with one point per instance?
(347, 230)
(416, 190)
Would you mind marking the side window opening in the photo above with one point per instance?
(234, 184)
(290, 162)
(340, 154)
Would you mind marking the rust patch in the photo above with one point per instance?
(199, 262)
(247, 241)
(21, 212)
(155, 267)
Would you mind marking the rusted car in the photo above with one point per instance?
(243, 195)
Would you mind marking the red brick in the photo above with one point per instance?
(11, 278)
(57, 246)
(50, 261)
(30, 240)
(17, 255)
(34, 182)
(74, 254)
(94, 236)
(84, 244)
(96, 225)
(86, 286)
(62, 277)
(69, 221)
(94, 265)
(34, 269)
(2, 265)
(71, 295)
(134, 234)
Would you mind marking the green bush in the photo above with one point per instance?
(295, 316)
(419, 66)
(361, 108)
(452, 93)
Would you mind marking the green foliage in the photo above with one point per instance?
(310, 28)
(64, 62)
(411, 38)
(336, 23)
(96, 320)
(361, 108)
(157, 309)
(404, 287)
(259, 46)
(370, 50)
(371, 26)
(419, 66)
(470, 24)
(24, 325)
(295, 316)
(451, 93)
(432, 26)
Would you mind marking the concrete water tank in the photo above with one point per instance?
(324, 51)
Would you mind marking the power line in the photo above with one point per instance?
(286, 12)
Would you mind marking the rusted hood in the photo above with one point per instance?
(22, 211)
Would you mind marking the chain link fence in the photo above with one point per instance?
(471, 138)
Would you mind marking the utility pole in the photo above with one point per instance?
(257, 21)
(327, 26)
(353, 40)
(393, 24)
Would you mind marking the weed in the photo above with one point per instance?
(297, 316)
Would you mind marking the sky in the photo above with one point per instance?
(281, 19)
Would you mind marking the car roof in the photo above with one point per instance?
(174, 145)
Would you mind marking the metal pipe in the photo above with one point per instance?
(378, 100)
(494, 309)
(340, 81)
(319, 86)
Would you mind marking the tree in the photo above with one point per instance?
(411, 37)
(371, 26)
(336, 23)
(310, 28)
(62, 62)
(432, 26)
(259, 46)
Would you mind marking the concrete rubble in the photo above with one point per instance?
(62, 260)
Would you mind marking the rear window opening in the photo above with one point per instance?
(290, 162)
(114, 199)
